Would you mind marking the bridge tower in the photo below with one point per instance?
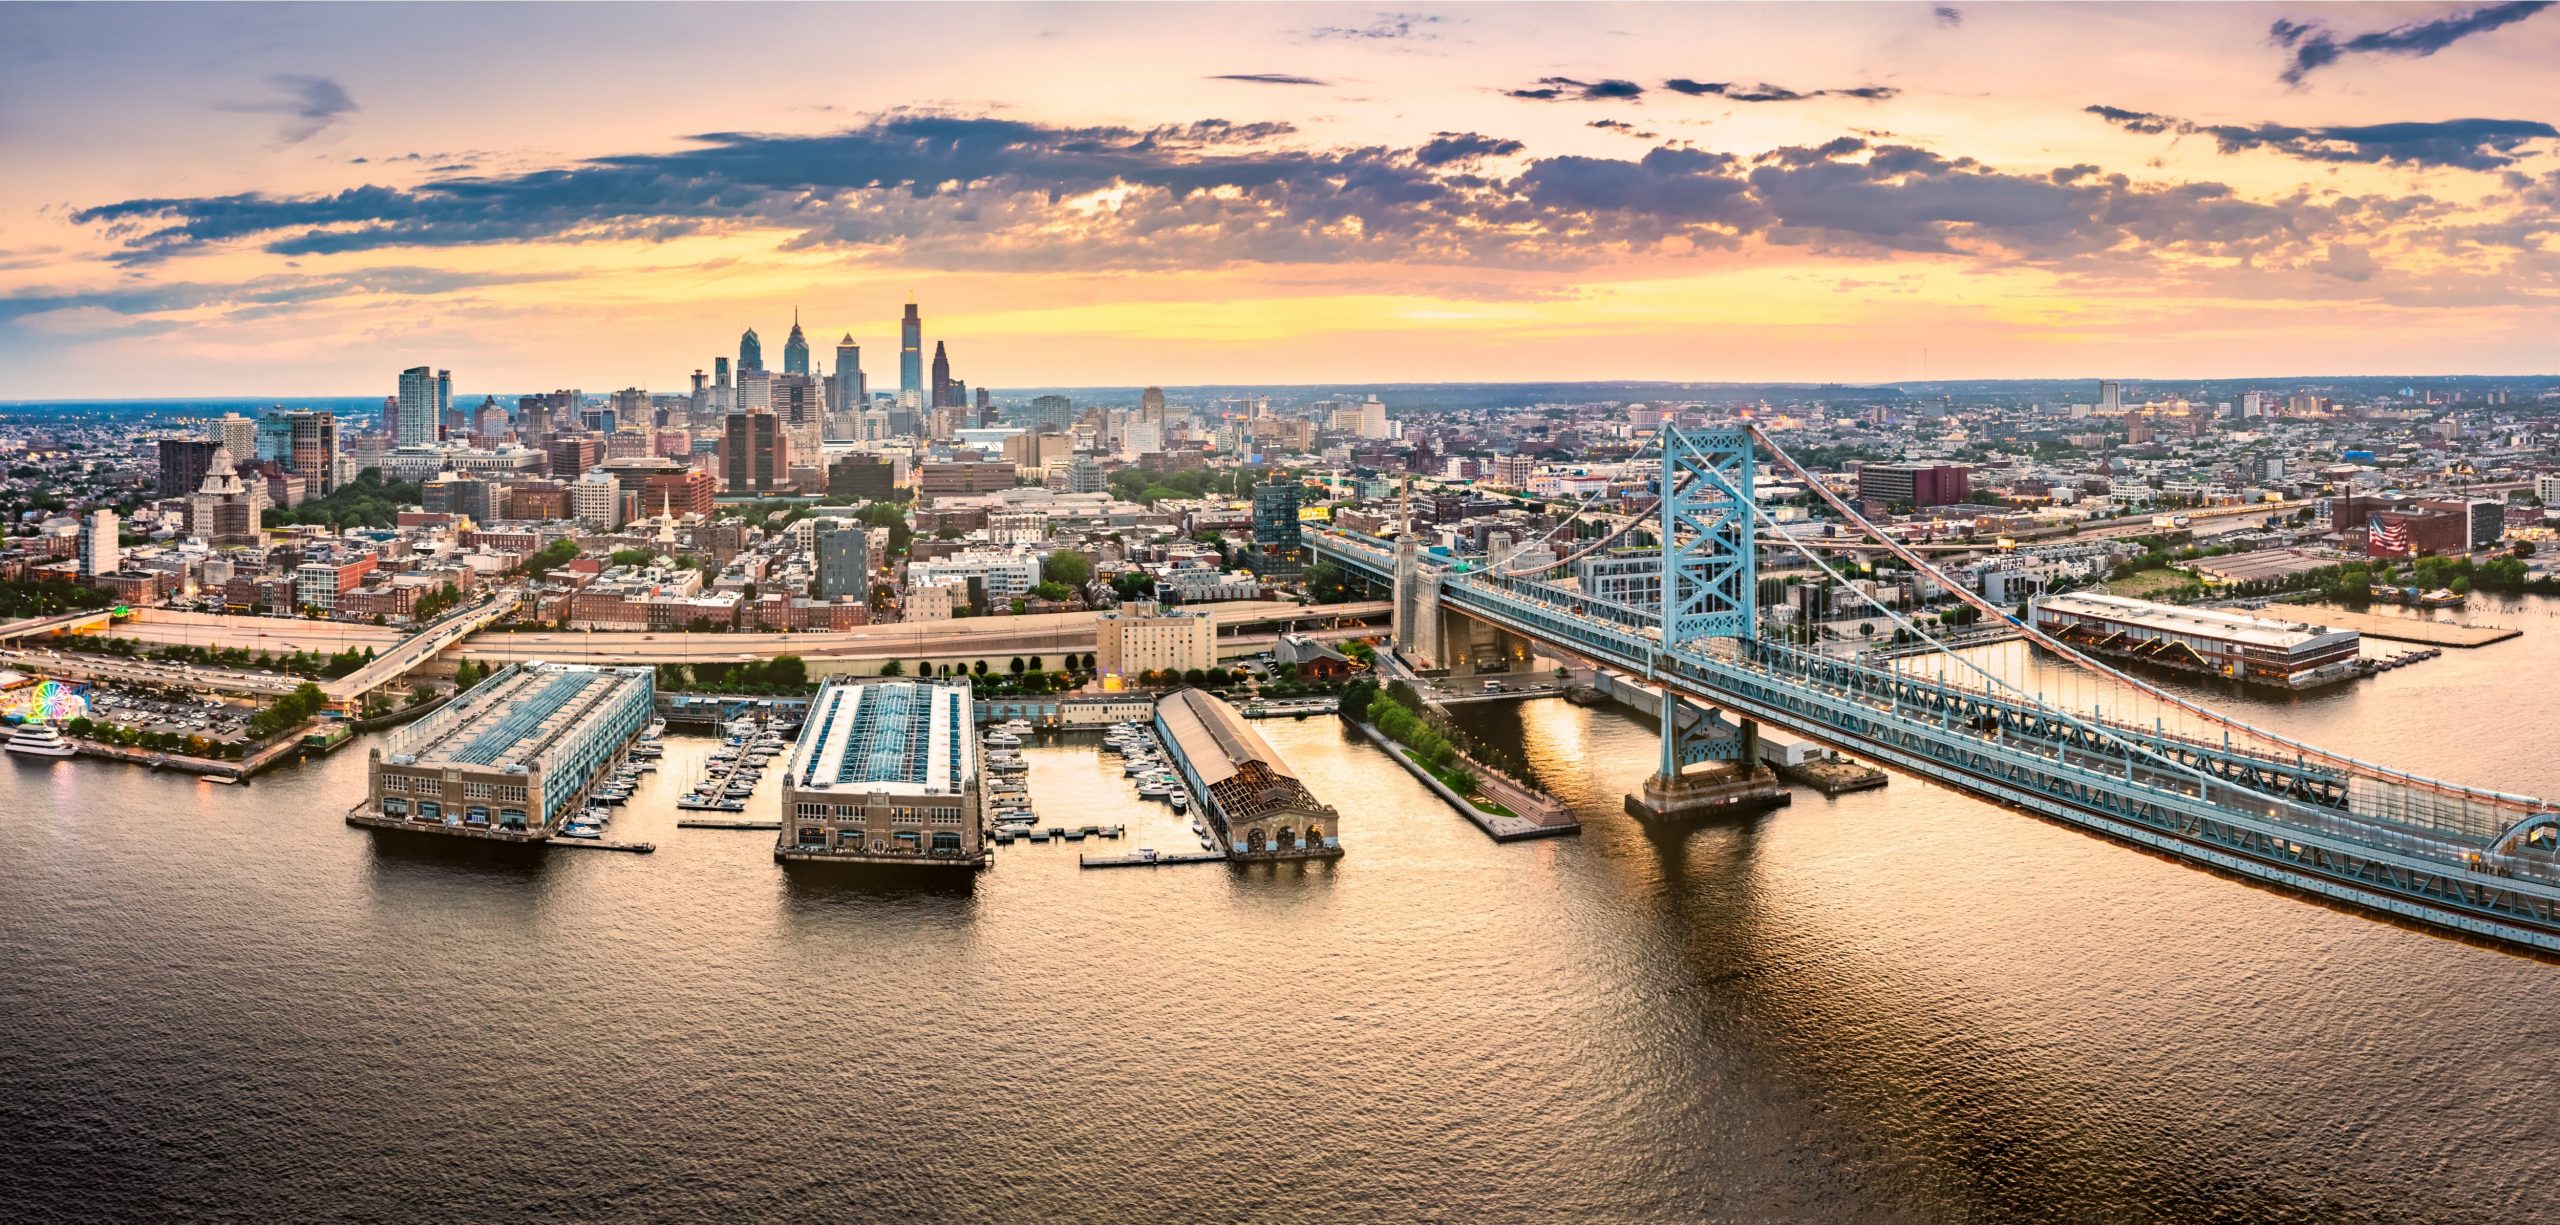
(1710, 589)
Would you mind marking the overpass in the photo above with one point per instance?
(2251, 803)
(71, 622)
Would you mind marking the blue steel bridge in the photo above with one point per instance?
(2145, 766)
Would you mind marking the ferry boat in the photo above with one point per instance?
(37, 738)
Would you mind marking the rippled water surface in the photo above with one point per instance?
(221, 1002)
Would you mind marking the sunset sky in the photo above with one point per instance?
(225, 199)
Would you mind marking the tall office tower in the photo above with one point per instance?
(750, 353)
(795, 348)
(100, 551)
(911, 357)
(2110, 397)
(183, 462)
(444, 398)
(852, 393)
(1151, 404)
(986, 409)
(488, 423)
(753, 454)
(631, 406)
(417, 409)
(238, 433)
(699, 403)
(391, 417)
(305, 443)
(724, 393)
(941, 376)
(755, 390)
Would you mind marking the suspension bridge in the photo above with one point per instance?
(2090, 746)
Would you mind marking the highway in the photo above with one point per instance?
(109, 669)
(995, 639)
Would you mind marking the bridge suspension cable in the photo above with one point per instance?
(2307, 752)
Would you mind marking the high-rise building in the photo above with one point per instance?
(391, 417)
(1275, 515)
(183, 463)
(444, 396)
(795, 349)
(2110, 397)
(225, 510)
(754, 458)
(306, 443)
(1913, 486)
(595, 499)
(941, 376)
(750, 352)
(1151, 404)
(238, 433)
(572, 454)
(843, 559)
(755, 391)
(853, 392)
(724, 394)
(100, 550)
(418, 409)
(911, 357)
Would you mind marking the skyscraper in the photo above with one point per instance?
(753, 454)
(853, 393)
(750, 352)
(911, 357)
(941, 376)
(417, 408)
(444, 402)
(795, 349)
(1151, 404)
(101, 550)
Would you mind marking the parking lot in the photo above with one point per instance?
(210, 718)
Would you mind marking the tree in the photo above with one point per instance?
(1067, 568)
(1017, 665)
(981, 668)
(893, 668)
(1035, 663)
(924, 667)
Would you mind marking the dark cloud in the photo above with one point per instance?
(940, 191)
(1449, 148)
(1550, 89)
(2315, 46)
(1948, 15)
(1387, 28)
(309, 103)
(2466, 144)
(1268, 78)
(1738, 92)
(1623, 127)
(262, 293)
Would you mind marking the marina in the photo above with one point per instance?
(518, 759)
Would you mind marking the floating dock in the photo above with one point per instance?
(602, 844)
(702, 824)
(1142, 861)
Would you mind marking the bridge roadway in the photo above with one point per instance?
(2256, 816)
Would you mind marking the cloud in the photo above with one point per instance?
(310, 104)
(265, 292)
(1387, 28)
(1764, 92)
(1948, 15)
(1268, 78)
(2315, 46)
(1623, 127)
(1450, 148)
(959, 193)
(2465, 144)
(1549, 89)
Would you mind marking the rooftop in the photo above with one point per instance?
(902, 737)
(510, 722)
(2202, 622)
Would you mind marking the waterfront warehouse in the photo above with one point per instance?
(885, 773)
(513, 758)
(2256, 650)
(1252, 803)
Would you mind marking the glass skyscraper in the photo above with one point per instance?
(795, 349)
(911, 357)
(750, 352)
(418, 406)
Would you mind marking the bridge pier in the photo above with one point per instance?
(1719, 787)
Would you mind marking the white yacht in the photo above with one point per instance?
(37, 738)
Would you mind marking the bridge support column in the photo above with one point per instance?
(1716, 788)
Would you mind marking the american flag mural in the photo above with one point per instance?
(2385, 539)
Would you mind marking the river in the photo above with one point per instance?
(223, 1003)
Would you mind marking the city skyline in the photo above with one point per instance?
(261, 204)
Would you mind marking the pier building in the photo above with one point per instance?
(2290, 655)
(885, 773)
(511, 759)
(1253, 804)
